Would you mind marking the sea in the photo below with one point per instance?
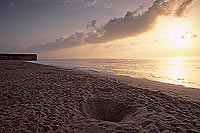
(183, 71)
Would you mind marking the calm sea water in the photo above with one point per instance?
(181, 71)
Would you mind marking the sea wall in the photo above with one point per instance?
(29, 57)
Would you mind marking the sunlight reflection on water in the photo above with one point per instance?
(175, 70)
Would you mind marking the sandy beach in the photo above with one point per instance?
(40, 98)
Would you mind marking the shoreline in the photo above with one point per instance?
(42, 98)
(175, 90)
(179, 81)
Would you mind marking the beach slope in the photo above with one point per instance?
(39, 98)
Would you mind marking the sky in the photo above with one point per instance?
(100, 28)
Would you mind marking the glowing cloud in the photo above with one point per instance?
(130, 25)
(181, 9)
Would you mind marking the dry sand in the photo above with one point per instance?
(39, 98)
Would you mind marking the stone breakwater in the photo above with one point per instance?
(37, 98)
(29, 57)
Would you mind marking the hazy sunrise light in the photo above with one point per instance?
(100, 66)
(78, 29)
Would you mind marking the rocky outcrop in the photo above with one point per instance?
(29, 57)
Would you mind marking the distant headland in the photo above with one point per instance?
(16, 56)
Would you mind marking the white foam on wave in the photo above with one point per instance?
(87, 69)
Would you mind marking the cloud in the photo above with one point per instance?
(92, 24)
(87, 3)
(130, 25)
(181, 9)
(194, 36)
(62, 38)
(75, 39)
(138, 9)
(189, 35)
(107, 4)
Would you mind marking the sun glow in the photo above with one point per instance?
(177, 36)
(175, 32)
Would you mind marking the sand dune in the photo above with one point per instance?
(38, 98)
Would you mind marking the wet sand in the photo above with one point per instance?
(39, 98)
